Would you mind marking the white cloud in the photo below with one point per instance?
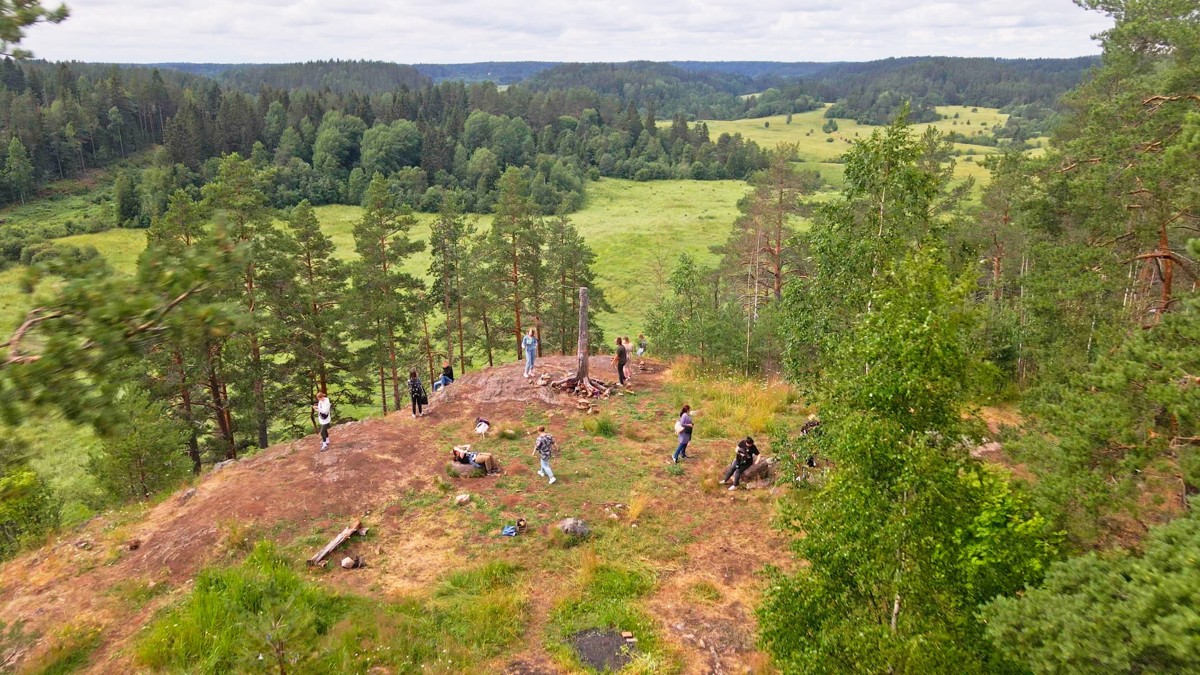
(453, 31)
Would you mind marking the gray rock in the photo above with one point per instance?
(463, 499)
(574, 527)
(187, 494)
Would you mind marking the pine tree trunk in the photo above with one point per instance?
(382, 389)
(391, 338)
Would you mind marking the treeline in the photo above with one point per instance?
(871, 93)
(433, 143)
(340, 77)
(1070, 291)
(874, 93)
(239, 314)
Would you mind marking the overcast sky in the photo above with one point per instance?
(458, 31)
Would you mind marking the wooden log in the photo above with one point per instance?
(335, 542)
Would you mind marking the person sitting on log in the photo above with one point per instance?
(746, 455)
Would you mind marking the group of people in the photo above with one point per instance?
(745, 455)
(529, 344)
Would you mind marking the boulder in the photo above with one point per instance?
(574, 527)
(463, 499)
(762, 469)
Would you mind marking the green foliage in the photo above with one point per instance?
(69, 650)
(696, 318)
(262, 607)
(1110, 612)
(17, 15)
(908, 535)
(28, 510)
(896, 198)
(141, 454)
(1096, 433)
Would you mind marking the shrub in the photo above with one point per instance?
(263, 612)
(601, 425)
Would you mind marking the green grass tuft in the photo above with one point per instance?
(263, 612)
(601, 425)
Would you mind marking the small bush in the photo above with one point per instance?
(601, 425)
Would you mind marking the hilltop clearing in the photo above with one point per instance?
(698, 548)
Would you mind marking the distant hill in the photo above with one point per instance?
(341, 77)
(500, 72)
(756, 69)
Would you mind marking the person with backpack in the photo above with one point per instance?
(543, 447)
(530, 344)
(416, 391)
(746, 455)
(683, 427)
(324, 410)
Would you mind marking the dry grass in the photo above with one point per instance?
(727, 404)
(637, 505)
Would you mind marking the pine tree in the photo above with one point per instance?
(238, 196)
(449, 241)
(516, 235)
(307, 286)
(385, 297)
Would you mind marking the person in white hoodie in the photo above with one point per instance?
(324, 411)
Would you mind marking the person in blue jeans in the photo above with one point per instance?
(446, 378)
(530, 343)
(684, 427)
(543, 447)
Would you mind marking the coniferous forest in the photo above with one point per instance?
(998, 375)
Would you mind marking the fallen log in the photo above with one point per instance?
(337, 541)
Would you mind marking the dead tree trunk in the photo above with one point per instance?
(581, 383)
(581, 346)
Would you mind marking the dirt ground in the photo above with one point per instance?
(390, 473)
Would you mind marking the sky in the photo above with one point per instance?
(463, 31)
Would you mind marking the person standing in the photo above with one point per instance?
(530, 344)
(543, 447)
(683, 427)
(416, 392)
(628, 350)
(641, 345)
(324, 410)
(446, 378)
(746, 455)
(620, 359)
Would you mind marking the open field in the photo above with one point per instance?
(437, 574)
(819, 150)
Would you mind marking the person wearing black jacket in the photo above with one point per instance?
(416, 392)
(446, 378)
(746, 455)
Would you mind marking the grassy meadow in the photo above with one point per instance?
(820, 151)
